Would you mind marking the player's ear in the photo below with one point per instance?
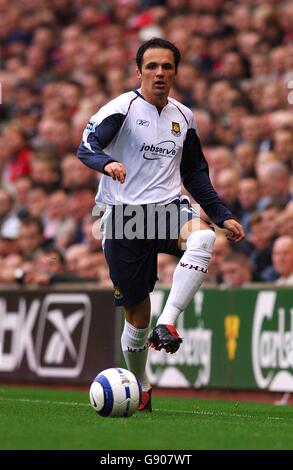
(138, 73)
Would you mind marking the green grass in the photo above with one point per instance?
(32, 418)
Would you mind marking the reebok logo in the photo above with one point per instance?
(142, 122)
(191, 266)
(61, 340)
(50, 335)
(62, 335)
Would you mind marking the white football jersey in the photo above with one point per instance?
(148, 144)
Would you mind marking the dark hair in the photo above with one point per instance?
(157, 43)
(32, 220)
(54, 251)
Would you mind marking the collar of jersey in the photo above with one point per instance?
(137, 92)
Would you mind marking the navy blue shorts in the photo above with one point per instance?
(133, 262)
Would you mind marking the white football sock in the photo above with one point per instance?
(188, 275)
(133, 343)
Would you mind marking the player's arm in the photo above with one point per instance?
(195, 176)
(97, 136)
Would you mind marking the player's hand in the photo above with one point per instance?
(235, 230)
(116, 171)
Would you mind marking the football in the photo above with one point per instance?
(115, 392)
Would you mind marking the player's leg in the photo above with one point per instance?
(197, 239)
(134, 346)
(190, 271)
(132, 266)
(134, 339)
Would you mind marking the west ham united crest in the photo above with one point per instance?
(176, 129)
(117, 293)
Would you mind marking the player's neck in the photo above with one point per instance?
(158, 101)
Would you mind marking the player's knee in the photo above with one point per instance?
(201, 243)
(138, 315)
(201, 239)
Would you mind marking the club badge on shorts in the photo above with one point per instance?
(176, 129)
(117, 293)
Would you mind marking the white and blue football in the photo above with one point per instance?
(115, 392)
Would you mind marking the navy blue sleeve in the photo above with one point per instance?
(95, 139)
(195, 176)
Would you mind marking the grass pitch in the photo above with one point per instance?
(32, 418)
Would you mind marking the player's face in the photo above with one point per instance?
(157, 75)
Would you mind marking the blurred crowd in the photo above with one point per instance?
(61, 60)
